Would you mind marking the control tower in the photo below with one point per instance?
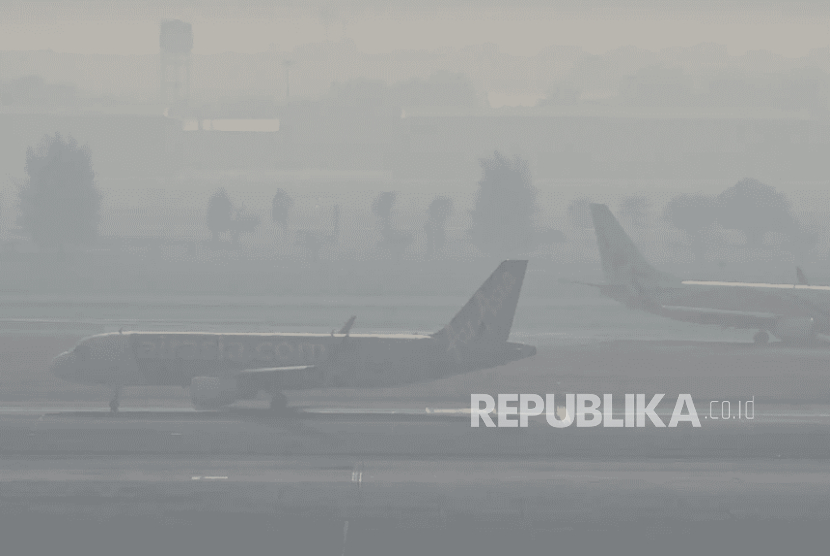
(176, 42)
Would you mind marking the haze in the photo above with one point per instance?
(787, 29)
(259, 257)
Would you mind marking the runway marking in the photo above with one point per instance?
(447, 411)
(357, 476)
(208, 477)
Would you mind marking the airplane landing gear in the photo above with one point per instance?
(279, 403)
(761, 337)
(114, 403)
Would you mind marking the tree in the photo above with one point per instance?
(59, 202)
(394, 240)
(281, 208)
(635, 209)
(438, 212)
(692, 213)
(219, 213)
(504, 208)
(755, 208)
(382, 208)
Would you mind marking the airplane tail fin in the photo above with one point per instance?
(348, 326)
(488, 315)
(622, 262)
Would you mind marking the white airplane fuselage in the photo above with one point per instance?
(290, 361)
(220, 368)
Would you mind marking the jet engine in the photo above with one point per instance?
(794, 329)
(209, 392)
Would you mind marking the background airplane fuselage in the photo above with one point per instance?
(757, 301)
(791, 312)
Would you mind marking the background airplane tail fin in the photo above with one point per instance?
(622, 262)
(488, 315)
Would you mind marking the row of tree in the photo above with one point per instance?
(502, 218)
(60, 205)
(749, 206)
(223, 217)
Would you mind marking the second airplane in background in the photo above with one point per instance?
(794, 313)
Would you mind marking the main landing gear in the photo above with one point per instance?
(279, 403)
(761, 337)
(114, 402)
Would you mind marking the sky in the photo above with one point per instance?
(133, 27)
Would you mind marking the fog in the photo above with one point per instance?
(291, 243)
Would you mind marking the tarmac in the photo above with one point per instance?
(401, 471)
(345, 482)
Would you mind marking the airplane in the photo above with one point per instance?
(797, 313)
(221, 368)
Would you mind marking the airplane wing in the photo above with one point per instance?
(275, 370)
(724, 317)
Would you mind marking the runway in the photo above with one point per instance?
(776, 432)
(193, 505)
(561, 492)
(328, 504)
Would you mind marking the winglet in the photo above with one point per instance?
(802, 278)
